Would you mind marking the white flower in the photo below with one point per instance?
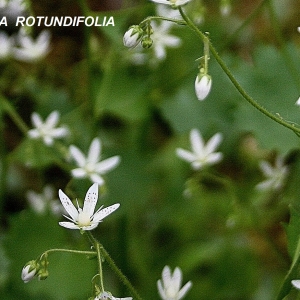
(109, 296)
(298, 102)
(202, 155)
(32, 50)
(85, 218)
(41, 202)
(133, 36)
(6, 43)
(162, 39)
(29, 271)
(202, 86)
(90, 166)
(275, 176)
(46, 130)
(169, 286)
(296, 283)
(173, 3)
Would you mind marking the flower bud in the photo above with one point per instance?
(29, 271)
(133, 36)
(202, 86)
(43, 274)
(147, 42)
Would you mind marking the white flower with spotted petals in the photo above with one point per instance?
(169, 286)
(202, 154)
(109, 296)
(85, 218)
(91, 166)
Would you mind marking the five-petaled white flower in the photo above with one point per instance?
(202, 155)
(90, 166)
(173, 3)
(46, 130)
(169, 286)
(275, 175)
(32, 50)
(109, 296)
(85, 218)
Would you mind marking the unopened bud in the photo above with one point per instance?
(29, 271)
(147, 42)
(133, 36)
(202, 86)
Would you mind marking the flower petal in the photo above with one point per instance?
(185, 155)
(69, 225)
(213, 143)
(78, 156)
(184, 290)
(52, 119)
(79, 173)
(36, 120)
(103, 213)
(94, 151)
(176, 279)
(107, 164)
(68, 205)
(90, 200)
(97, 179)
(197, 142)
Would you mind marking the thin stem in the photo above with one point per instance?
(150, 18)
(100, 266)
(69, 251)
(245, 95)
(10, 110)
(114, 267)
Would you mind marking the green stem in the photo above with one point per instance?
(245, 95)
(114, 267)
(100, 266)
(10, 110)
(150, 18)
(69, 251)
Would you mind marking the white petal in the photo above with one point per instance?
(197, 142)
(52, 119)
(103, 213)
(91, 199)
(36, 120)
(94, 151)
(78, 156)
(213, 158)
(107, 164)
(68, 205)
(33, 133)
(79, 173)
(266, 168)
(213, 143)
(185, 155)
(161, 290)
(68, 225)
(166, 276)
(97, 179)
(48, 140)
(176, 279)
(184, 290)
(296, 283)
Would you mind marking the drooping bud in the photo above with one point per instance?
(147, 42)
(29, 271)
(133, 36)
(202, 86)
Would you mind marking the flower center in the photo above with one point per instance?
(83, 219)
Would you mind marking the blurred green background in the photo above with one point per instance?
(227, 237)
